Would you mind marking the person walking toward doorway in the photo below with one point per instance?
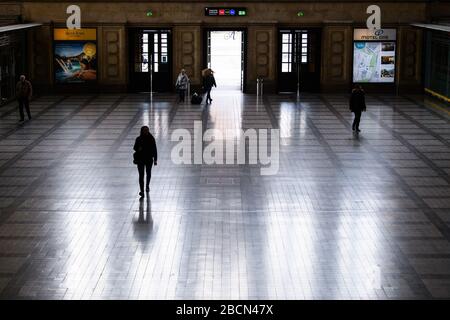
(208, 82)
(357, 106)
(145, 156)
(24, 91)
(181, 85)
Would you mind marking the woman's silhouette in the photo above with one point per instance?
(208, 82)
(357, 106)
(146, 154)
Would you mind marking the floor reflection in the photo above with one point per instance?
(144, 224)
(346, 217)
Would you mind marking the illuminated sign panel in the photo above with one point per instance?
(374, 35)
(75, 55)
(374, 55)
(74, 34)
(225, 12)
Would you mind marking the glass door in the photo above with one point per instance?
(298, 63)
(151, 54)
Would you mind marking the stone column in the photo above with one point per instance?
(187, 52)
(112, 61)
(261, 57)
(409, 59)
(40, 58)
(336, 73)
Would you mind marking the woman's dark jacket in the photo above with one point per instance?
(145, 147)
(357, 101)
(209, 82)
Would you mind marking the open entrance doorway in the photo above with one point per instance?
(225, 55)
(150, 60)
(299, 60)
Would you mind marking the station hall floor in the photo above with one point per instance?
(346, 217)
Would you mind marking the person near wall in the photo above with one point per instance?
(208, 82)
(357, 106)
(24, 91)
(145, 156)
(181, 85)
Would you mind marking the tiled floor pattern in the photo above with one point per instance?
(346, 217)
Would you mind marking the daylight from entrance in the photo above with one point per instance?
(209, 152)
(226, 58)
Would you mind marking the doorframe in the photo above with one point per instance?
(244, 30)
(132, 30)
(318, 57)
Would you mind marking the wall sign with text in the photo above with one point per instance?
(375, 35)
(374, 55)
(225, 12)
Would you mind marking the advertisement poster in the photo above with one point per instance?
(75, 56)
(374, 55)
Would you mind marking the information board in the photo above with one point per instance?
(374, 60)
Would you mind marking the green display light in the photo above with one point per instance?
(300, 14)
(149, 13)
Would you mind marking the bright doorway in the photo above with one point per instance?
(225, 56)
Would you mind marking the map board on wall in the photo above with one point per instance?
(374, 56)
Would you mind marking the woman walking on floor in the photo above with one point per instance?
(208, 82)
(145, 156)
(357, 106)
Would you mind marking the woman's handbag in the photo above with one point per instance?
(135, 157)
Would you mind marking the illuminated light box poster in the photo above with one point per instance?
(374, 60)
(75, 55)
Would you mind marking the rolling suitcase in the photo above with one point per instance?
(196, 99)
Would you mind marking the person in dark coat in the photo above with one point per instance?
(208, 82)
(357, 106)
(146, 155)
(24, 91)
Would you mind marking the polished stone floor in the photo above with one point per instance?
(346, 217)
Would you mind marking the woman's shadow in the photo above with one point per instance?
(143, 226)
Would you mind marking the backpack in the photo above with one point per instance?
(196, 99)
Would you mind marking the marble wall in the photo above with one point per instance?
(187, 52)
(112, 57)
(337, 20)
(336, 57)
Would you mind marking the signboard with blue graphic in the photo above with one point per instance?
(374, 56)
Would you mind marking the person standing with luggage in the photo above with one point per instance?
(357, 106)
(24, 91)
(181, 85)
(145, 156)
(208, 82)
